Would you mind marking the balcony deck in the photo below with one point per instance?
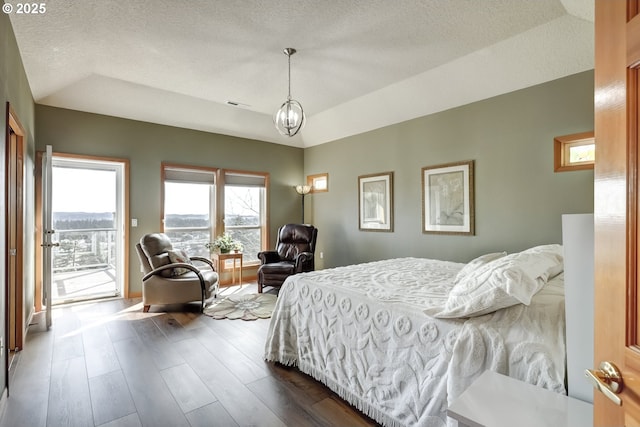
(72, 286)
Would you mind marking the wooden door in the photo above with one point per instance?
(15, 232)
(616, 210)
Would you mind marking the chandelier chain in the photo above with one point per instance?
(289, 93)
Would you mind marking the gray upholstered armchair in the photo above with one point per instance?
(170, 276)
(294, 254)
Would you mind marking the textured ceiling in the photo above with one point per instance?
(361, 64)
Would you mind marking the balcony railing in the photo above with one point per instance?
(193, 240)
(84, 265)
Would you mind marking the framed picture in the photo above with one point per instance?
(375, 202)
(447, 199)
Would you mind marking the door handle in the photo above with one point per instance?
(50, 245)
(607, 380)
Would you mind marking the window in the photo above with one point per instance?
(245, 211)
(189, 208)
(319, 183)
(193, 214)
(574, 152)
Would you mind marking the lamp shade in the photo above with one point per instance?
(303, 189)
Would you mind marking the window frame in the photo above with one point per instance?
(562, 145)
(313, 179)
(217, 207)
(264, 217)
(214, 197)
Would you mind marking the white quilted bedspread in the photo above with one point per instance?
(361, 330)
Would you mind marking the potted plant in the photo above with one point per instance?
(237, 246)
(224, 244)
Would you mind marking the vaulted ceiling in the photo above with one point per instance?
(361, 64)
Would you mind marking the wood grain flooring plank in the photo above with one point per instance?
(248, 339)
(29, 385)
(190, 321)
(68, 347)
(187, 388)
(120, 330)
(64, 322)
(309, 389)
(69, 401)
(36, 362)
(99, 354)
(230, 328)
(129, 421)
(337, 412)
(286, 404)
(28, 402)
(109, 308)
(133, 355)
(212, 414)
(245, 369)
(170, 327)
(162, 351)
(262, 327)
(110, 397)
(246, 408)
(153, 400)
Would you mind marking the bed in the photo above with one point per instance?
(402, 338)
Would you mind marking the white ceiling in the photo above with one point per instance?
(361, 64)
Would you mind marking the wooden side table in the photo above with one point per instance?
(220, 261)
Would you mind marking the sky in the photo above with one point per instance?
(186, 199)
(83, 190)
(87, 190)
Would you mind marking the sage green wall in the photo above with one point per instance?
(146, 145)
(519, 199)
(14, 88)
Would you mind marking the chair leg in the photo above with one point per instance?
(259, 287)
(146, 308)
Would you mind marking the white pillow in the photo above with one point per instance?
(506, 281)
(178, 255)
(476, 263)
(553, 249)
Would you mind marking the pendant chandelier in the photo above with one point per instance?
(289, 119)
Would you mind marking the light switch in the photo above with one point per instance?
(134, 222)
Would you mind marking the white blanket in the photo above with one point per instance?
(362, 331)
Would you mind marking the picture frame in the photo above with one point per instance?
(375, 202)
(448, 198)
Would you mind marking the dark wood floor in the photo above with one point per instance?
(109, 364)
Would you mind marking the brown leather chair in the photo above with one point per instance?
(169, 282)
(294, 254)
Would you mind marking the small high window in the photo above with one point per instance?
(574, 152)
(319, 183)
